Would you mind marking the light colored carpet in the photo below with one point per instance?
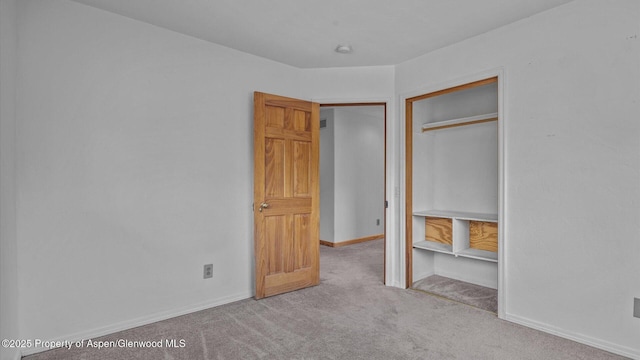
(350, 315)
(475, 295)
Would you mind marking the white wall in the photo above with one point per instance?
(327, 176)
(134, 152)
(572, 152)
(359, 172)
(349, 85)
(134, 167)
(8, 244)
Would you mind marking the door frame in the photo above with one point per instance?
(384, 103)
(503, 245)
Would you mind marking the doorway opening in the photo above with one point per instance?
(352, 174)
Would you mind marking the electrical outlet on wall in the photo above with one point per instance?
(208, 271)
(636, 307)
(378, 222)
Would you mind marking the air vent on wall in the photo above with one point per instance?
(323, 123)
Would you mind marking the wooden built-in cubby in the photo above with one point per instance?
(483, 235)
(460, 234)
(439, 230)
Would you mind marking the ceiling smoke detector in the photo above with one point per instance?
(344, 49)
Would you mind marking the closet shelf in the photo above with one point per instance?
(448, 249)
(460, 122)
(434, 246)
(460, 215)
(479, 254)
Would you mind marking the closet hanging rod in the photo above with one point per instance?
(460, 122)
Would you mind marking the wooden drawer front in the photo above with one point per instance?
(483, 235)
(438, 230)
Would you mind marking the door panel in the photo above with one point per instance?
(274, 168)
(301, 169)
(286, 194)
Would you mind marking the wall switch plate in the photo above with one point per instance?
(378, 222)
(208, 271)
(636, 307)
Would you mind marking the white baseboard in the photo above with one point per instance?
(144, 320)
(395, 284)
(583, 339)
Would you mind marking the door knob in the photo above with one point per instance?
(264, 205)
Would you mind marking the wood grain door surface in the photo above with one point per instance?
(286, 194)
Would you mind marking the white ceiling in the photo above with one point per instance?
(304, 33)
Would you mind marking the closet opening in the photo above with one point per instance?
(452, 193)
(353, 174)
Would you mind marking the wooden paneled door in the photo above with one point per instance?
(286, 194)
